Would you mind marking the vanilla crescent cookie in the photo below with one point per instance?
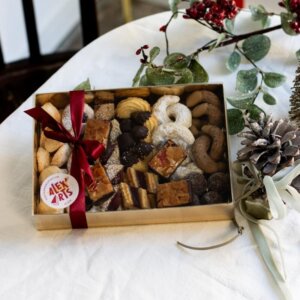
(170, 131)
(181, 114)
(52, 111)
(43, 159)
(88, 113)
(159, 109)
(132, 104)
(61, 156)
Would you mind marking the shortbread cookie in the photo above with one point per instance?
(61, 156)
(44, 209)
(104, 111)
(43, 159)
(52, 111)
(132, 104)
(49, 144)
(97, 130)
(140, 92)
(50, 171)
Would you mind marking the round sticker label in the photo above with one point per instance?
(59, 190)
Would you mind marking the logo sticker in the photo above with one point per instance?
(59, 190)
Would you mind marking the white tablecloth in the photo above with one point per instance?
(137, 262)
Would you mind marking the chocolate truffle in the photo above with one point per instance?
(139, 132)
(142, 149)
(211, 197)
(140, 117)
(128, 158)
(125, 125)
(125, 141)
(219, 182)
(198, 183)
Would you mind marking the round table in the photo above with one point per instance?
(135, 262)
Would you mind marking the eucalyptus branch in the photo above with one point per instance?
(237, 38)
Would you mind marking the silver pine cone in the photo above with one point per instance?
(269, 145)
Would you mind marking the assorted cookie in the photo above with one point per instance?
(163, 148)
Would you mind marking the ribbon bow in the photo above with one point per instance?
(82, 149)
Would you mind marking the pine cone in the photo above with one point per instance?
(270, 146)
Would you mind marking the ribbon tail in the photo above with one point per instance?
(77, 209)
(266, 253)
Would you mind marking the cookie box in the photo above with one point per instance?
(165, 159)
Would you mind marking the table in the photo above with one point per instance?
(137, 262)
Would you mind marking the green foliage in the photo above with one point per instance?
(229, 25)
(242, 101)
(173, 4)
(220, 39)
(176, 61)
(298, 54)
(156, 76)
(273, 80)
(85, 85)
(256, 46)
(246, 80)
(186, 77)
(199, 73)
(144, 81)
(233, 61)
(154, 52)
(286, 18)
(269, 99)
(258, 210)
(255, 111)
(235, 120)
(136, 79)
(259, 13)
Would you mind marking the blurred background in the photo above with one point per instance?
(38, 36)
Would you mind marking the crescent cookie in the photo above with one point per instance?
(170, 131)
(52, 111)
(44, 209)
(49, 144)
(61, 156)
(132, 104)
(151, 125)
(43, 159)
(181, 114)
(159, 109)
(88, 113)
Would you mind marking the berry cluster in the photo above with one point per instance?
(294, 7)
(213, 12)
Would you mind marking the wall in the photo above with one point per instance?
(55, 20)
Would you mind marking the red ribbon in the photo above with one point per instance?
(82, 149)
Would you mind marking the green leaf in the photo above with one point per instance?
(85, 85)
(156, 76)
(236, 121)
(269, 99)
(246, 80)
(173, 4)
(176, 61)
(199, 73)
(298, 54)
(273, 80)
(286, 18)
(255, 111)
(154, 53)
(229, 25)
(233, 61)
(137, 76)
(242, 101)
(259, 13)
(144, 81)
(186, 77)
(220, 38)
(256, 47)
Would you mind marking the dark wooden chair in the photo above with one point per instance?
(18, 80)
